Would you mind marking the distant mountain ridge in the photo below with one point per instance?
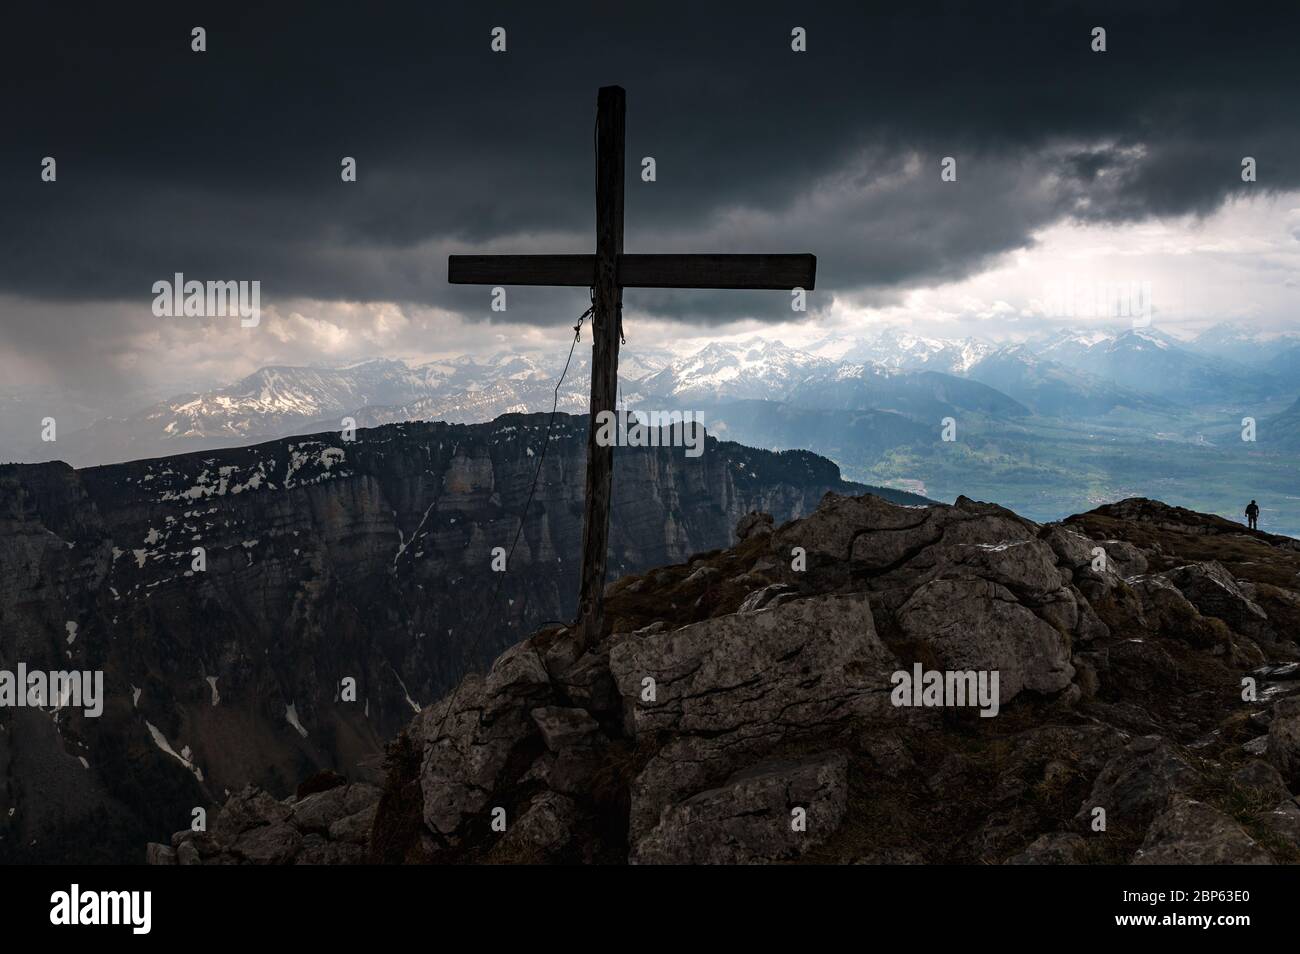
(1054, 389)
(279, 401)
(1072, 374)
(1153, 363)
(1240, 344)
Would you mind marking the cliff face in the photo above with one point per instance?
(747, 707)
(324, 561)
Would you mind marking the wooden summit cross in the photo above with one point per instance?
(607, 273)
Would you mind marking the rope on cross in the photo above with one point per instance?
(607, 273)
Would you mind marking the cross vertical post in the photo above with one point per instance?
(607, 273)
(611, 111)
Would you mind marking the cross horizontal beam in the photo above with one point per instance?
(638, 271)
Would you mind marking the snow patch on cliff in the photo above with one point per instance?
(183, 757)
(291, 714)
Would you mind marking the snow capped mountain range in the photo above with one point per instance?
(1255, 348)
(277, 401)
(753, 369)
(272, 397)
(1070, 374)
(894, 348)
(1150, 362)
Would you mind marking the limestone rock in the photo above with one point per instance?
(730, 689)
(1136, 783)
(188, 854)
(1127, 559)
(589, 684)
(692, 731)
(544, 828)
(1166, 611)
(361, 795)
(771, 595)
(1256, 746)
(1213, 591)
(1072, 549)
(869, 530)
(319, 850)
(1261, 780)
(468, 738)
(1058, 848)
(354, 828)
(245, 810)
(569, 771)
(562, 727)
(1284, 740)
(753, 524)
(751, 817)
(157, 854)
(268, 845)
(978, 624)
(317, 812)
(1284, 821)
(705, 574)
(1189, 832)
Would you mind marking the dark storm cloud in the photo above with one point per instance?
(226, 164)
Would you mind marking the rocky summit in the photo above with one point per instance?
(745, 706)
(259, 614)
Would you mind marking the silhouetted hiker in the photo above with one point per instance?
(1252, 515)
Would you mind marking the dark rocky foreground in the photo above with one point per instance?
(735, 694)
(325, 560)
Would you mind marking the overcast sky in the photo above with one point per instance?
(1109, 167)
